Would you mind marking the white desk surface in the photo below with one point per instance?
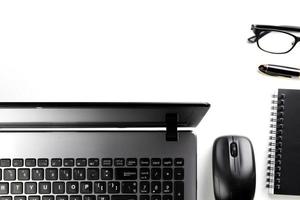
(160, 50)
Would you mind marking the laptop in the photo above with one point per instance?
(99, 151)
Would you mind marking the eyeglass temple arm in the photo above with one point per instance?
(254, 38)
(290, 28)
(282, 27)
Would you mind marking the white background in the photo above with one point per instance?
(156, 50)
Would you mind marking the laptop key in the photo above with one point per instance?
(51, 174)
(167, 197)
(30, 188)
(156, 173)
(123, 197)
(68, 162)
(178, 190)
(106, 162)
(34, 198)
(106, 173)
(119, 162)
(167, 187)
(6, 198)
(44, 187)
(23, 174)
(156, 187)
(5, 163)
(58, 188)
(65, 173)
(75, 197)
(62, 197)
(18, 162)
(144, 173)
(16, 188)
(72, 188)
(100, 187)
(9, 174)
(86, 187)
(50, 197)
(56, 162)
(79, 173)
(113, 187)
(81, 162)
(102, 197)
(179, 162)
(3, 188)
(30, 162)
(93, 174)
(156, 197)
(155, 161)
(129, 187)
(126, 173)
(93, 162)
(43, 162)
(20, 198)
(144, 197)
(167, 162)
(37, 174)
(89, 197)
(167, 173)
(144, 161)
(144, 187)
(178, 173)
(131, 162)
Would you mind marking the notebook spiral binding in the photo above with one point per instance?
(275, 144)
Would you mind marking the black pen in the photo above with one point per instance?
(278, 70)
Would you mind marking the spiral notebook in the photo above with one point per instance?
(283, 173)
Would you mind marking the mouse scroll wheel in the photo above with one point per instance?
(233, 149)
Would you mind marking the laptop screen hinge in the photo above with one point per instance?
(171, 125)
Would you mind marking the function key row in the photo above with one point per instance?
(92, 162)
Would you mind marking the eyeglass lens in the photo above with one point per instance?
(276, 42)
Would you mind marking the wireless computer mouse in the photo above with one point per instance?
(234, 173)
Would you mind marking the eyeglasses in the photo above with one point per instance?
(274, 39)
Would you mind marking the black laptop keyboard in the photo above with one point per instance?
(92, 179)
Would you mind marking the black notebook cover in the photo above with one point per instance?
(284, 152)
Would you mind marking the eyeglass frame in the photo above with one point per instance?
(258, 29)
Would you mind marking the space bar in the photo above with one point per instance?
(123, 197)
